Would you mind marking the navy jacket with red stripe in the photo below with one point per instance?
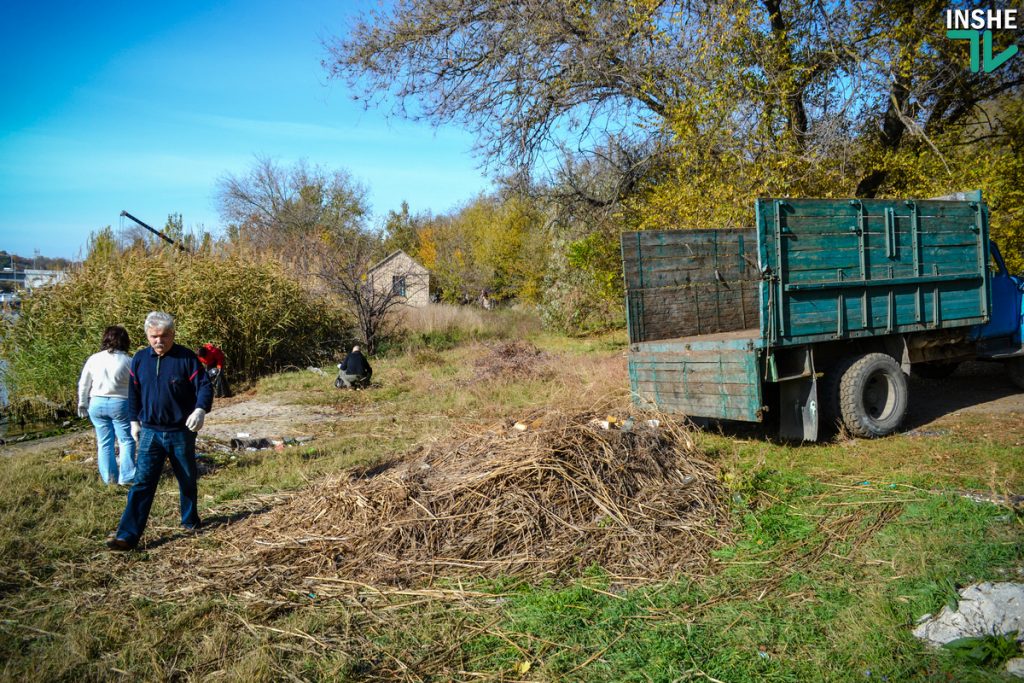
(164, 390)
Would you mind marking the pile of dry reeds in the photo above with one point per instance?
(511, 359)
(553, 499)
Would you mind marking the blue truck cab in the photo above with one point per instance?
(1007, 321)
(818, 314)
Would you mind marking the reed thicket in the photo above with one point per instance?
(262, 319)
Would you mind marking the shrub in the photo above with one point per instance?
(262, 319)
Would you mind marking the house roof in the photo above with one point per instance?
(392, 255)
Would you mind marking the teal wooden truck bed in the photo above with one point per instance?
(737, 323)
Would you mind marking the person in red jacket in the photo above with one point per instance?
(212, 359)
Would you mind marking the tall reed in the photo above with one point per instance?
(261, 318)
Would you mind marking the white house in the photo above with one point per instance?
(399, 273)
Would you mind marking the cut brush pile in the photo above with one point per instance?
(551, 500)
(512, 359)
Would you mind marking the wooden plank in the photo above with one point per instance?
(738, 395)
(728, 360)
(836, 255)
(681, 375)
(814, 317)
(827, 208)
(880, 272)
(711, 406)
(677, 408)
(847, 241)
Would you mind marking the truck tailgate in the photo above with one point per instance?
(714, 375)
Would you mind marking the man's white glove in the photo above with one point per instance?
(195, 420)
(136, 430)
(83, 410)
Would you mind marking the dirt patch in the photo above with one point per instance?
(277, 415)
(554, 499)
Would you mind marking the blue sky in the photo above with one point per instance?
(143, 106)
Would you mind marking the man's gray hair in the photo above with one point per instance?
(158, 320)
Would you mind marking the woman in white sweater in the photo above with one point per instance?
(103, 398)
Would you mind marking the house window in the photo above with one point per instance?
(398, 285)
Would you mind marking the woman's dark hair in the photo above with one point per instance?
(115, 338)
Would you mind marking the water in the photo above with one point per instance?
(10, 431)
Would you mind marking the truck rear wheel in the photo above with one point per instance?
(872, 395)
(1015, 369)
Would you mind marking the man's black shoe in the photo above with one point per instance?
(120, 544)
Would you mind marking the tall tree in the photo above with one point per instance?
(271, 204)
(797, 86)
(315, 221)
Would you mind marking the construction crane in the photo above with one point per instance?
(156, 232)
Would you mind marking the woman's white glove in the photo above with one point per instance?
(195, 420)
(136, 430)
(83, 410)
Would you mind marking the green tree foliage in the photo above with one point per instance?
(175, 227)
(9, 260)
(495, 243)
(443, 250)
(260, 317)
(584, 286)
(797, 89)
(400, 230)
(659, 114)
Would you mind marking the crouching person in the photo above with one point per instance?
(355, 371)
(168, 398)
(212, 359)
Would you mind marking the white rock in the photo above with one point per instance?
(1015, 667)
(984, 608)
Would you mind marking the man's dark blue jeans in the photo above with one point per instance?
(154, 447)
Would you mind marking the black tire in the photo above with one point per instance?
(934, 369)
(1015, 371)
(828, 397)
(872, 397)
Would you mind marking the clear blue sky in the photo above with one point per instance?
(143, 106)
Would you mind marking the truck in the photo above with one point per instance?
(816, 317)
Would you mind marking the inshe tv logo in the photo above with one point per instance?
(966, 24)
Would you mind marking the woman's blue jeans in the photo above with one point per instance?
(110, 418)
(179, 447)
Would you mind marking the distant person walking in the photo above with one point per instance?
(169, 396)
(212, 359)
(103, 398)
(355, 371)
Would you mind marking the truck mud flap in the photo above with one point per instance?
(798, 409)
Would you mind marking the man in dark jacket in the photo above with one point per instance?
(355, 371)
(168, 398)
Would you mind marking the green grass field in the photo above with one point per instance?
(839, 548)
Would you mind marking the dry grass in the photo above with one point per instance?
(443, 318)
(552, 499)
(467, 322)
